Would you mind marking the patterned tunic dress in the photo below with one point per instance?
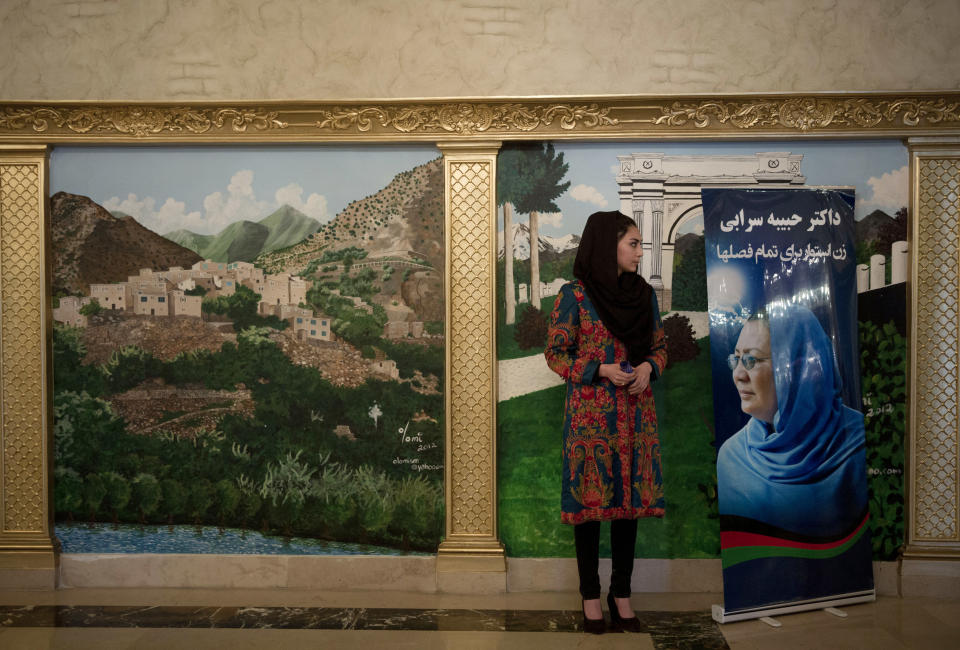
(611, 452)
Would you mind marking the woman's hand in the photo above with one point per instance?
(642, 373)
(617, 376)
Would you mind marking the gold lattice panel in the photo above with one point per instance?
(938, 324)
(471, 366)
(21, 354)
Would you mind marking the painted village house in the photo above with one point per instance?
(111, 296)
(68, 311)
(248, 275)
(164, 294)
(401, 322)
(306, 325)
(284, 289)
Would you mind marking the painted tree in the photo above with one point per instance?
(145, 495)
(545, 170)
(512, 185)
(173, 498)
(92, 308)
(226, 500)
(200, 498)
(67, 491)
(116, 493)
(93, 493)
(690, 279)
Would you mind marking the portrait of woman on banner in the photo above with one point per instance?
(798, 464)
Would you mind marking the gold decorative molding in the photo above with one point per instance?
(807, 114)
(720, 116)
(471, 377)
(25, 449)
(933, 484)
(468, 118)
(136, 121)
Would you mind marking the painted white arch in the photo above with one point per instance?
(662, 192)
(690, 215)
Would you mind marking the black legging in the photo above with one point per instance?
(623, 541)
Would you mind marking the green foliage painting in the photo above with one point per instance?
(300, 479)
(883, 353)
(690, 279)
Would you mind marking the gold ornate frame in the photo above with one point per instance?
(469, 132)
(729, 116)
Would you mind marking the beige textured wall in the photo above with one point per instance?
(325, 49)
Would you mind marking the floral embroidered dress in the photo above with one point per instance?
(611, 451)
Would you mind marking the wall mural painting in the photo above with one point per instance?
(545, 194)
(248, 349)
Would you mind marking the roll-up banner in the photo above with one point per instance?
(781, 276)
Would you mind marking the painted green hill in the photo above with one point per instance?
(244, 240)
(193, 241)
(241, 241)
(288, 226)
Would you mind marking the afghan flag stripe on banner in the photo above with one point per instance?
(741, 546)
(734, 524)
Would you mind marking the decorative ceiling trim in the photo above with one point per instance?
(753, 116)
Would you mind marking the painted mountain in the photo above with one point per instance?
(191, 240)
(869, 228)
(551, 246)
(90, 245)
(686, 242)
(400, 227)
(243, 241)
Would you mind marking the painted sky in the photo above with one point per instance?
(205, 189)
(878, 170)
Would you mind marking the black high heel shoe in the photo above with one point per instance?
(592, 625)
(619, 623)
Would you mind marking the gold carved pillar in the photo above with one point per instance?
(931, 564)
(471, 544)
(28, 557)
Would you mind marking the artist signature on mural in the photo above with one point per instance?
(407, 438)
(875, 409)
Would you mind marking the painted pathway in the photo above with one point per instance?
(530, 374)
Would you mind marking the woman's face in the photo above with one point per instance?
(758, 393)
(629, 251)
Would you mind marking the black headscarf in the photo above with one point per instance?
(623, 301)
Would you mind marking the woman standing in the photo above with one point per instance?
(606, 340)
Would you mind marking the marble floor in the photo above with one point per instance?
(283, 618)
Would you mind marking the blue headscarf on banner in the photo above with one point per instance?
(807, 473)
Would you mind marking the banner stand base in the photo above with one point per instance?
(721, 616)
